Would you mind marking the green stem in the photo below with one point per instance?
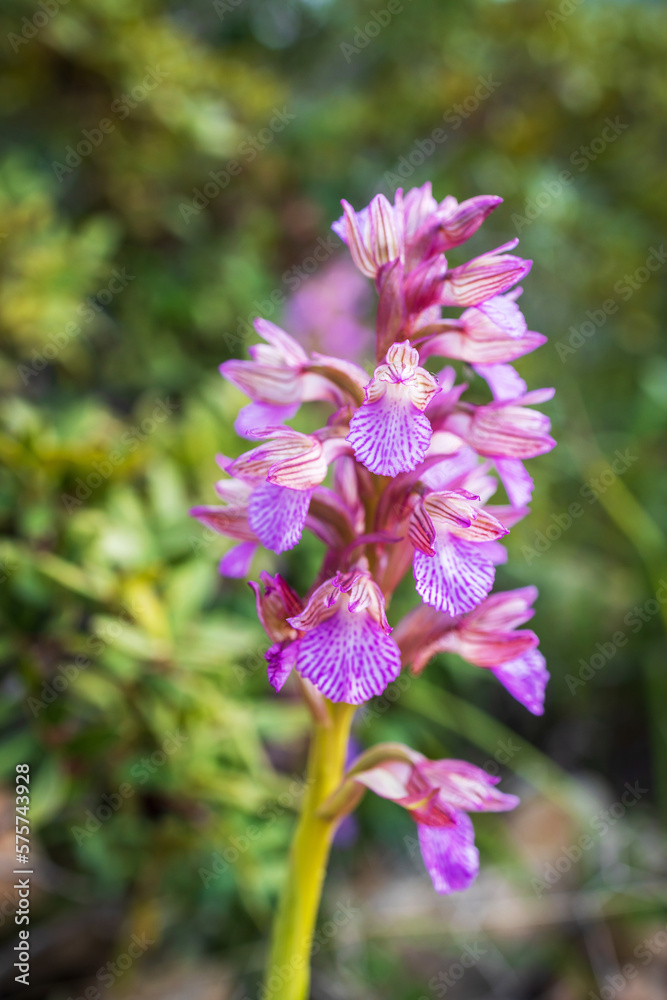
(288, 974)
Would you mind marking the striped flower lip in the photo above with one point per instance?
(453, 568)
(345, 649)
(389, 432)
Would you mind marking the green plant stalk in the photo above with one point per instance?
(288, 972)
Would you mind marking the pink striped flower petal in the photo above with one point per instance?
(456, 578)
(526, 679)
(390, 435)
(277, 515)
(484, 277)
(450, 855)
(280, 661)
(348, 657)
(389, 432)
(464, 786)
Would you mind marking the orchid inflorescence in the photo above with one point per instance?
(401, 473)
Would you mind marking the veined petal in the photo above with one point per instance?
(450, 855)
(525, 678)
(277, 515)
(458, 222)
(268, 383)
(498, 316)
(280, 661)
(491, 649)
(390, 435)
(464, 786)
(348, 657)
(274, 605)
(506, 431)
(291, 459)
(457, 344)
(483, 277)
(505, 610)
(456, 578)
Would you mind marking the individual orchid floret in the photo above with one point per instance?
(286, 470)
(488, 636)
(484, 277)
(439, 794)
(492, 332)
(389, 432)
(374, 235)
(505, 428)
(452, 566)
(345, 649)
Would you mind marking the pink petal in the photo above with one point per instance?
(482, 278)
(460, 221)
(464, 786)
(516, 480)
(236, 562)
(256, 416)
(462, 347)
(457, 578)
(390, 435)
(526, 679)
(348, 657)
(277, 515)
(280, 660)
(503, 381)
(450, 855)
(505, 610)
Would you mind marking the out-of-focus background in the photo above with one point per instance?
(168, 171)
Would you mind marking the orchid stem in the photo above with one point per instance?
(288, 973)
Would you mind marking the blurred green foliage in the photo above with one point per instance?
(128, 272)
